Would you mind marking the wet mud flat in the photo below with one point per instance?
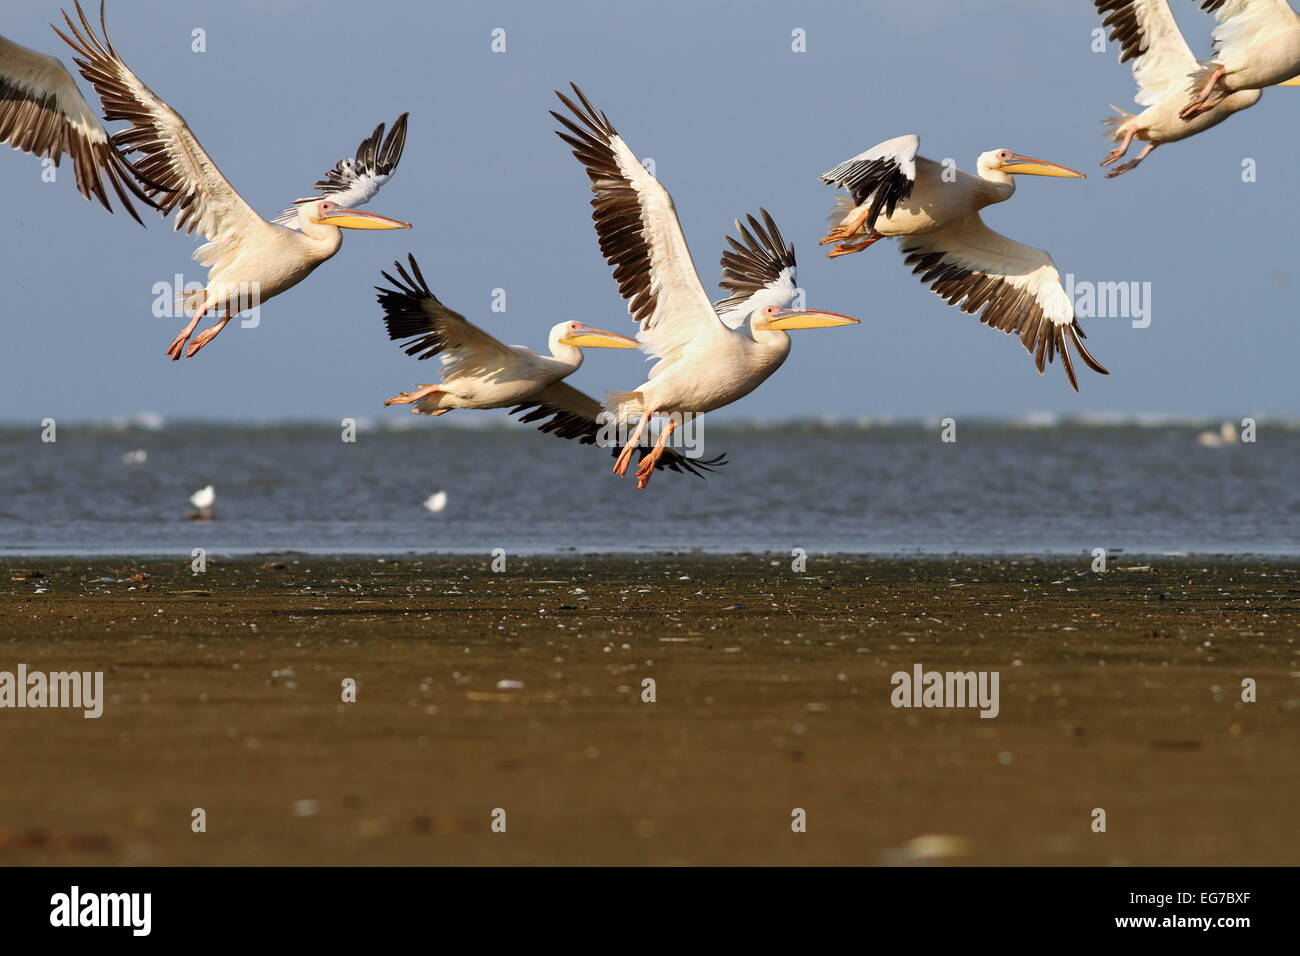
(518, 697)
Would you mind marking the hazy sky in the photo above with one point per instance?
(734, 119)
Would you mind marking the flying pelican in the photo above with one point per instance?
(249, 259)
(704, 362)
(893, 192)
(1256, 44)
(1163, 66)
(479, 371)
(43, 113)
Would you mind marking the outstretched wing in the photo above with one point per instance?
(1016, 286)
(758, 271)
(640, 236)
(568, 413)
(884, 175)
(1148, 35)
(426, 327)
(175, 171)
(43, 113)
(354, 181)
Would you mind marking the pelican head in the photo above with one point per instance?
(323, 212)
(1010, 162)
(775, 317)
(584, 336)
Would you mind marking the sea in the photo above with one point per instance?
(1041, 486)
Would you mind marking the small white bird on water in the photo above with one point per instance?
(203, 500)
(1226, 435)
(436, 502)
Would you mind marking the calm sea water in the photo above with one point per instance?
(890, 489)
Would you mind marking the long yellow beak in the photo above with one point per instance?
(1294, 81)
(1028, 166)
(589, 338)
(356, 219)
(810, 320)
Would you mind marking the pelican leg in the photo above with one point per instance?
(625, 456)
(407, 398)
(848, 227)
(847, 248)
(178, 343)
(207, 335)
(1199, 104)
(1122, 148)
(647, 466)
(1123, 168)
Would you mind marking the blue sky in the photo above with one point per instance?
(711, 90)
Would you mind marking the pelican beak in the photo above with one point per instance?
(1294, 81)
(809, 320)
(587, 337)
(1028, 166)
(356, 219)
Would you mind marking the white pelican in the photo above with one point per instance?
(893, 192)
(1163, 66)
(704, 362)
(436, 502)
(249, 259)
(479, 371)
(43, 113)
(1256, 44)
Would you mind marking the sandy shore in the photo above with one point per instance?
(522, 691)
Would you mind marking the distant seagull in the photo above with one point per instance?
(137, 457)
(436, 502)
(202, 500)
(1226, 435)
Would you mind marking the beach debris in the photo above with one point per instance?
(25, 575)
(510, 685)
(136, 457)
(927, 848)
(202, 500)
(436, 502)
(306, 808)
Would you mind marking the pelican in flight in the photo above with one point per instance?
(708, 355)
(1256, 44)
(1163, 66)
(480, 371)
(935, 213)
(249, 259)
(43, 113)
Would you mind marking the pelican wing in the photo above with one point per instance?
(640, 236)
(412, 312)
(758, 271)
(162, 150)
(43, 113)
(1148, 35)
(883, 175)
(568, 413)
(355, 181)
(1016, 286)
(1243, 22)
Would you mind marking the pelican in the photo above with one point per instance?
(1163, 66)
(893, 192)
(704, 361)
(249, 259)
(479, 371)
(43, 113)
(1256, 44)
